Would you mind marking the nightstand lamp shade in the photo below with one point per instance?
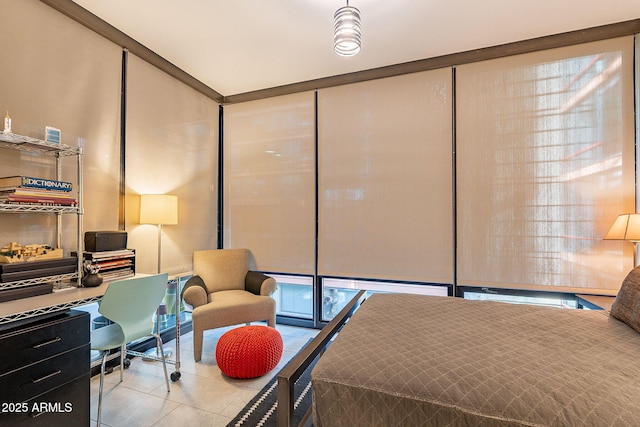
(625, 227)
(158, 209)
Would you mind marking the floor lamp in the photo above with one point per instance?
(626, 227)
(159, 209)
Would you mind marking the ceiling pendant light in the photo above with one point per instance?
(346, 31)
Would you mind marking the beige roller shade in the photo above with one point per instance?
(171, 148)
(545, 164)
(55, 72)
(269, 181)
(385, 179)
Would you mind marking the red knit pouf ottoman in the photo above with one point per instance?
(249, 351)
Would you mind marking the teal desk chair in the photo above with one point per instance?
(130, 304)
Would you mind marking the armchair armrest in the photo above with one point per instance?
(194, 292)
(259, 284)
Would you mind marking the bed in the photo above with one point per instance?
(408, 360)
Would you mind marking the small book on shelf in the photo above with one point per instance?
(38, 200)
(20, 181)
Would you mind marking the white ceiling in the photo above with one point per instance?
(238, 46)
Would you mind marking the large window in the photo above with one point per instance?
(385, 179)
(269, 182)
(545, 164)
(56, 72)
(171, 148)
(512, 186)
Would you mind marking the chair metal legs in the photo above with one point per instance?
(104, 362)
(164, 362)
(123, 354)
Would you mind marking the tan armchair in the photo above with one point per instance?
(223, 292)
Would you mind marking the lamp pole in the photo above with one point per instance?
(159, 209)
(159, 248)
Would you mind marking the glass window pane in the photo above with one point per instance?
(294, 296)
(336, 293)
(559, 301)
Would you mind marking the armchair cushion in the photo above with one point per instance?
(259, 284)
(233, 307)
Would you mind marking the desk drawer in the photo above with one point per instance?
(64, 406)
(43, 339)
(23, 384)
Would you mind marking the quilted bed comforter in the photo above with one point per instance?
(407, 360)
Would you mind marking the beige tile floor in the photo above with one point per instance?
(202, 397)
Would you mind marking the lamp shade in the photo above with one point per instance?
(625, 227)
(346, 31)
(158, 209)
